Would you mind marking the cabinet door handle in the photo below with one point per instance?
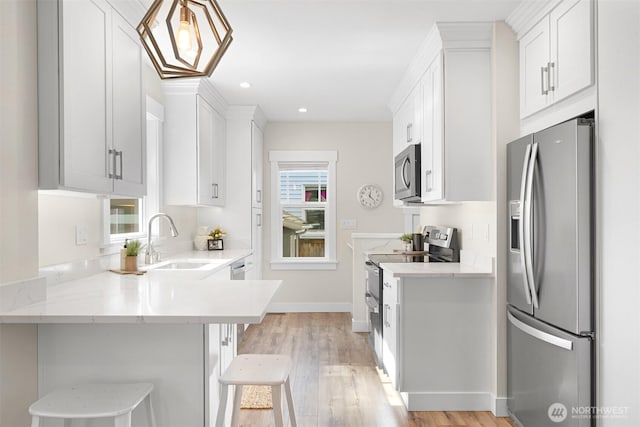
(551, 70)
(119, 154)
(259, 220)
(225, 340)
(428, 177)
(386, 315)
(214, 192)
(542, 79)
(386, 284)
(409, 132)
(259, 196)
(112, 164)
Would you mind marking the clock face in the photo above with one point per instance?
(370, 196)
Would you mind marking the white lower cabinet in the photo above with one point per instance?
(222, 349)
(390, 326)
(437, 341)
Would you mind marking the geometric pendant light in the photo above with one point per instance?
(185, 38)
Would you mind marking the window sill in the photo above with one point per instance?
(323, 264)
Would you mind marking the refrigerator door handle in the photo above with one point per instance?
(523, 218)
(543, 336)
(527, 214)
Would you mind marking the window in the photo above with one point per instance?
(125, 217)
(303, 231)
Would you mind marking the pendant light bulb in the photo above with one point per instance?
(183, 37)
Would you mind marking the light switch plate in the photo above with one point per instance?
(348, 224)
(82, 234)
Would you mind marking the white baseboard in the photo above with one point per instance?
(454, 401)
(499, 406)
(359, 326)
(309, 307)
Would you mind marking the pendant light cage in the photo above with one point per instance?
(185, 38)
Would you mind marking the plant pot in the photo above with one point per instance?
(200, 242)
(131, 263)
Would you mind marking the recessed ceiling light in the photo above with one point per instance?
(302, 110)
(245, 85)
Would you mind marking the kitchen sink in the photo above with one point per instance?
(185, 264)
(182, 265)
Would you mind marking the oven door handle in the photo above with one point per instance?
(372, 303)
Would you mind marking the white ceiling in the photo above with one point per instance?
(341, 59)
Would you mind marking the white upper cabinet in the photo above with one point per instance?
(556, 56)
(432, 161)
(534, 56)
(257, 158)
(128, 110)
(195, 144)
(452, 76)
(572, 40)
(407, 122)
(91, 133)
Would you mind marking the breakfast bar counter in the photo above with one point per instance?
(174, 329)
(151, 298)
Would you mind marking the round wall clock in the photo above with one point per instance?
(370, 196)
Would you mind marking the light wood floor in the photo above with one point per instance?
(334, 378)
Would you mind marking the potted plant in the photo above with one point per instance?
(131, 260)
(407, 239)
(215, 242)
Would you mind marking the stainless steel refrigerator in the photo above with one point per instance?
(550, 275)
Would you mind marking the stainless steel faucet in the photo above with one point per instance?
(151, 255)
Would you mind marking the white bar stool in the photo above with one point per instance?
(94, 401)
(257, 369)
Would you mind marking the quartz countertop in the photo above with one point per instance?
(155, 297)
(436, 269)
(470, 266)
(112, 298)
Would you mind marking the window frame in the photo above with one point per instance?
(329, 261)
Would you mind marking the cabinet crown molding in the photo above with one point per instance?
(443, 35)
(529, 13)
(198, 86)
(247, 112)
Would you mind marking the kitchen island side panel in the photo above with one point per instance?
(446, 336)
(169, 356)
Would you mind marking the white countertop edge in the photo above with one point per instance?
(58, 308)
(54, 319)
(442, 270)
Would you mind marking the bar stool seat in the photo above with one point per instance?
(94, 401)
(257, 369)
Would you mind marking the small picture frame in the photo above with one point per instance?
(215, 245)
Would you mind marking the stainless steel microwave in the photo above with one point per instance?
(407, 174)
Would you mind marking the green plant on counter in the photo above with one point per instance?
(133, 247)
(407, 237)
(217, 233)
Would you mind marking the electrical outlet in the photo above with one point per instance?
(82, 234)
(348, 224)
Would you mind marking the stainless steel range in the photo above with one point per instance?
(441, 245)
